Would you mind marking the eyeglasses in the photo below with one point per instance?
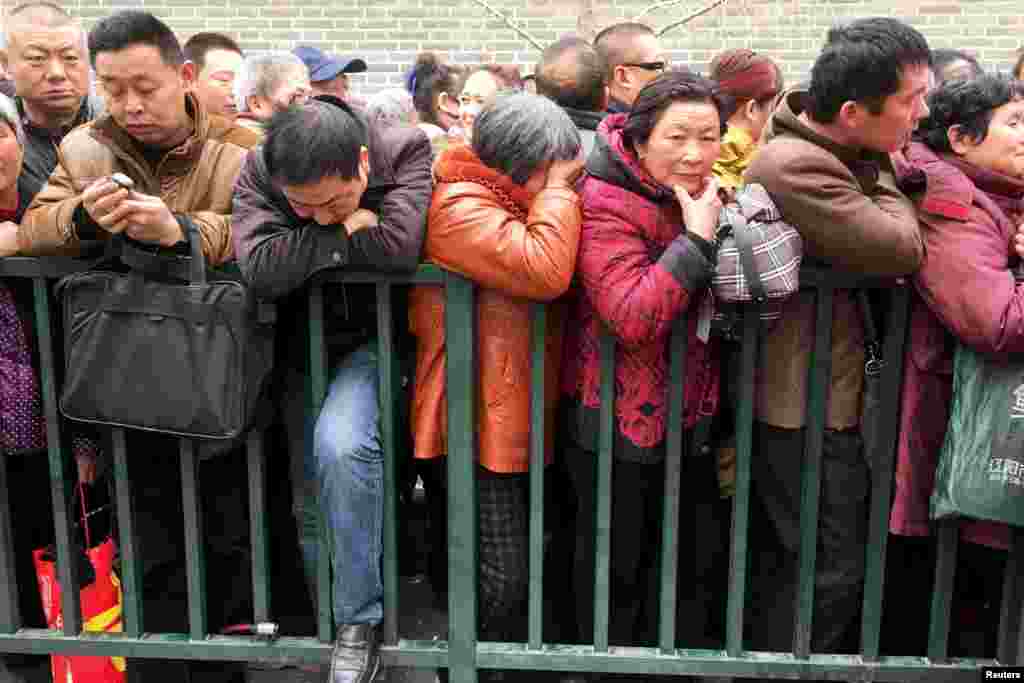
(649, 66)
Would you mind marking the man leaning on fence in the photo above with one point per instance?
(182, 160)
(826, 164)
(327, 190)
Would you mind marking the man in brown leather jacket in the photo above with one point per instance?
(326, 191)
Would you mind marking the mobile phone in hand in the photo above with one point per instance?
(123, 181)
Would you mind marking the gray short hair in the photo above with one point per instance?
(390, 107)
(9, 115)
(261, 74)
(519, 132)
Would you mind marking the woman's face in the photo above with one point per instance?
(480, 88)
(683, 146)
(11, 156)
(1002, 150)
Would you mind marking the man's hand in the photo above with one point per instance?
(101, 198)
(146, 219)
(8, 239)
(565, 173)
(360, 219)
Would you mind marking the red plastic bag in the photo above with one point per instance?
(101, 609)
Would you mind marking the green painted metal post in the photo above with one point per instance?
(10, 614)
(194, 544)
(603, 532)
(741, 496)
(884, 459)
(460, 335)
(538, 361)
(60, 467)
(819, 373)
(259, 527)
(131, 563)
(675, 452)
(942, 593)
(1009, 614)
(388, 403)
(318, 378)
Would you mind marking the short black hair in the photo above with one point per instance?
(581, 88)
(863, 62)
(614, 42)
(968, 104)
(305, 144)
(676, 85)
(942, 57)
(197, 46)
(127, 28)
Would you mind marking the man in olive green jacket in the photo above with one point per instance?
(826, 164)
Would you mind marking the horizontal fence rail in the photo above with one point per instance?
(462, 653)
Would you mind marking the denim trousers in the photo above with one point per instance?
(337, 467)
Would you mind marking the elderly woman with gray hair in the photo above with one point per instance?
(505, 215)
(13, 197)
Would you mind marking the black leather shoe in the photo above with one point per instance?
(355, 658)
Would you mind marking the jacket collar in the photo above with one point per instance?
(459, 163)
(615, 162)
(617, 107)
(989, 182)
(177, 160)
(585, 120)
(90, 109)
(864, 164)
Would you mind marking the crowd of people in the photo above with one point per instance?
(600, 194)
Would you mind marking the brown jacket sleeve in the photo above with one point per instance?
(470, 233)
(871, 234)
(48, 226)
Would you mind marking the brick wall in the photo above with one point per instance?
(389, 33)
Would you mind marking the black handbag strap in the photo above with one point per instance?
(745, 247)
(874, 363)
(169, 266)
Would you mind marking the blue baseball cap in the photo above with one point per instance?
(324, 67)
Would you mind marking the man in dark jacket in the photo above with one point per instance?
(634, 57)
(326, 191)
(573, 74)
(826, 165)
(47, 59)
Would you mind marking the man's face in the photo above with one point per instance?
(215, 83)
(48, 65)
(647, 60)
(337, 86)
(292, 89)
(890, 129)
(145, 95)
(331, 200)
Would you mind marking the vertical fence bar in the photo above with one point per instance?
(538, 391)
(194, 548)
(60, 467)
(603, 530)
(10, 614)
(388, 403)
(259, 529)
(883, 457)
(131, 563)
(741, 496)
(1009, 615)
(460, 333)
(942, 593)
(819, 373)
(674, 454)
(318, 377)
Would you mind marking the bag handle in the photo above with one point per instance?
(190, 268)
(745, 247)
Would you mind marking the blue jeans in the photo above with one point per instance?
(342, 473)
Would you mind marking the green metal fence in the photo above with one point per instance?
(462, 654)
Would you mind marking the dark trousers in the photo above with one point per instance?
(777, 467)
(636, 528)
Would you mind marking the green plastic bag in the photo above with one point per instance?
(981, 467)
